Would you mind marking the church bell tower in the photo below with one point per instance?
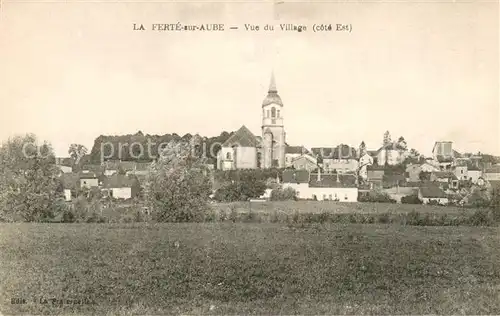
(273, 131)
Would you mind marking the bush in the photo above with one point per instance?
(210, 216)
(68, 217)
(482, 217)
(280, 194)
(233, 215)
(411, 199)
(84, 211)
(434, 203)
(413, 218)
(250, 217)
(323, 217)
(273, 217)
(384, 218)
(377, 197)
(222, 216)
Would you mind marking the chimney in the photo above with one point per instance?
(319, 174)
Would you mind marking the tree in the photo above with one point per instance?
(414, 153)
(30, 189)
(402, 143)
(411, 199)
(283, 194)
(76, 152)
(362, 148)
(247, 185)
(178, 185)
(387, 138)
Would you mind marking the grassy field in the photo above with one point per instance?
(340, 207)
(226, 268)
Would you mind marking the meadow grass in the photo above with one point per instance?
(244, 268)
(340, 207)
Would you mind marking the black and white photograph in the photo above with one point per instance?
(249, 157)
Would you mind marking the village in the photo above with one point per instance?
(338, 173)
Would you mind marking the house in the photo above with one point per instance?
(292, 152)
(141, 169)
(111, 167)
(446, 179)
(474, 173)
(461, 171)
(393, 180)
(431, 192)
(64, 164)
(341, 159)
(492, 173)
(321, 187)
(306, 162)
(296, 179)
(413, 171)
(375, 175)
(65, 169)
(121, 186)
(70, 184)
(88, 180)
(373, 154)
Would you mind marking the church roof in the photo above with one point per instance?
(272, 94)
(242, 137)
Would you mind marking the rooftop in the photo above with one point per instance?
(296, 150)
(242, 137)
(332, 181)
(295, 176)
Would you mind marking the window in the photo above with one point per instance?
(228, 156)
(278, 115)
(273, 112)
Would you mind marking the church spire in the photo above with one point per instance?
(272, 85)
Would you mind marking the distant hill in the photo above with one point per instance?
(140, 147)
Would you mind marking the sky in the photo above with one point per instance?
(427, 71)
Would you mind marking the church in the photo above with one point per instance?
(244, 150)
